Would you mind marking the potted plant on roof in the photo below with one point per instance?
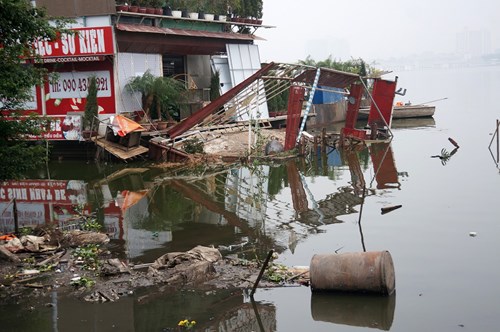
(121, 6)
(158, 6)
(234, 9)
(192, 7)
(219, 8)
(134, 6)
(142, 6)
(210, 10)
(176, 7)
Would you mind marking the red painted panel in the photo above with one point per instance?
(353, 102)
(353, 133)
(295, 102)
(383, 95)
(69, 92)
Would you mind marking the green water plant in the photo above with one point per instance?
(88, 255)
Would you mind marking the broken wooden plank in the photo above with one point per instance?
(118, 150)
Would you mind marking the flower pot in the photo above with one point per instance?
(222, 18)
(133, 9)
(121, 8)
(193, 16)
(150, 10)
(160, 125)
(158, 11)
(142, 10)
(209, 17)
(185, 13)
(176, 13)
(167, 11)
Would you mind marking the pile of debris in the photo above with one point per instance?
(78, 262)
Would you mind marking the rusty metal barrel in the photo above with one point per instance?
(366, 272)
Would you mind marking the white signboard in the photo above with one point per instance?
(76, 84)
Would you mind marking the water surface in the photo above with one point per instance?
(446, 280)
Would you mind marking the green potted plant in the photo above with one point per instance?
(157, 94)
(192, 8)
(90, 114)
(121, 6)
(134, 6)
(215, 86)
(158, 6)
(219, 8)
(176, 7)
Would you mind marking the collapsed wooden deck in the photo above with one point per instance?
(119, 150)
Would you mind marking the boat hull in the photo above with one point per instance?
(404, 112)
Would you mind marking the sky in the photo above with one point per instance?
(371, 29)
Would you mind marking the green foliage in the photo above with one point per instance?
(160, 93)
(279, 103)
(215, 86)
(89, 255)
(91, 106)
(193, 145)
(356, 66)
(21, 26)
(18, 156)
(87, 222)
(250, 8)
(25, 231)
(83, 282)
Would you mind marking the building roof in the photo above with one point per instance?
(150, 39)
(328, 77)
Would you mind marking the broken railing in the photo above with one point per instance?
(496, 138)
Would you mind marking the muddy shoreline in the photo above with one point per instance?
(111, 278)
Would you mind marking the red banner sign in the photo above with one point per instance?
(83, 42)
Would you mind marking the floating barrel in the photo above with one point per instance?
(368, 272)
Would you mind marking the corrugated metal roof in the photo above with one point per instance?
(186, 33)
(328, 77)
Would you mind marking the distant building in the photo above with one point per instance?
(473, 43)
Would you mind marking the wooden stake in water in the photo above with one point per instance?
(269, 255)
(16, 222)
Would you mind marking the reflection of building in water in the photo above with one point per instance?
(126, 209)
(246, 193)
(39, 202)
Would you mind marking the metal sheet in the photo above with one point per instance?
(186, 33)
(329, 77)
(244, 61)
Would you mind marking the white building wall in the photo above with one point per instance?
(127, 66)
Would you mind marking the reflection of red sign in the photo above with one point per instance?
(43, 191)
(40, 201)
(83, 42)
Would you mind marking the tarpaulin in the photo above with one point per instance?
(122, 125)
(131, 198)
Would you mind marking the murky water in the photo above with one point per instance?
(446, 279)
